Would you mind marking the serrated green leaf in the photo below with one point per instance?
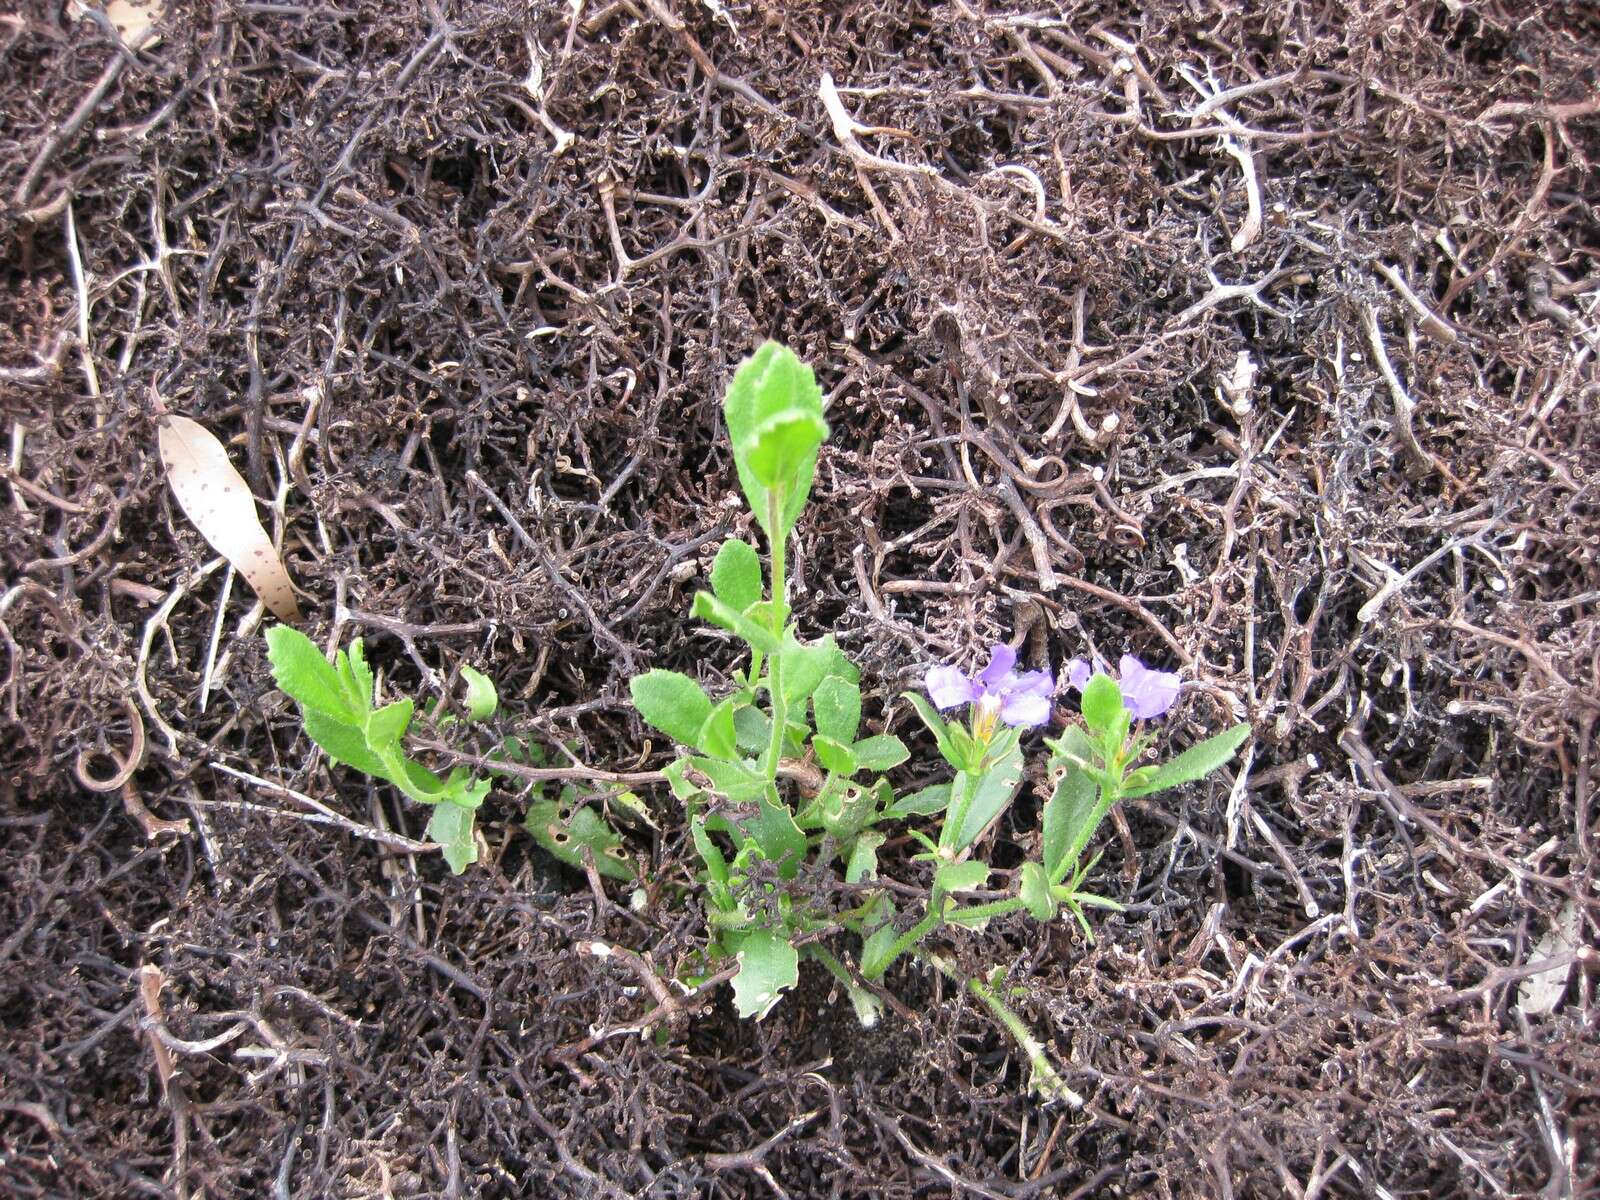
(482, 698)
(1068, 821)
(772, 382)
(673, 703)
(961, 876)
(834, 756)
(880, 753)
(451, 826)
(929, 802)
(780, 839)
(387, 725)
(1074, 746)
(1102, 702)
(716, 736)
(863, 862)
(1035, 892)
(996, 788)
(724, 616)
(768, 966)
(736, 575)
(1196, 762)
(837, 707)
(805, 666)
(307, 678)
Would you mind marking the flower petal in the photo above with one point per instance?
(1030, 683)
(1147, 693)
(1026, 709)
(948, 687)
(1079, 672)
(1001, 660)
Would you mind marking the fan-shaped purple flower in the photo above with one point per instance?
(1147, 693)
(1021, 699)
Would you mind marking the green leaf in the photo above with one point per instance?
(387, 725)
(863, 863)
(996, 787)
(938, 727)
(677, 773)
(752, 729)
(876, 946)
(736, 575)
(573, 837)
(929, 802)
(451, 827)
(772, 383)
(482, 699)
(1074, 746)
(1196, 762)
(301, 672)
(673, 703)
(716, 736)
(734, 780)
(716, 864)
(835, 756)
(1068, 819)
(354, 676)
(768, 965)
(708, 608)
(1102, 702)
(961, 876)
(805, 666)
(880, 753)
(1035, 892)
(780, 839)
(837, 705)
(344, 744)
(462, 788)
(783, 447)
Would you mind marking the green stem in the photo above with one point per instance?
(780, 616)
(982, 912)
(907, 940)
(1045, 1080)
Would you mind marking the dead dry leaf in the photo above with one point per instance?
(215, 497)
(131, 19)
(1542, 992)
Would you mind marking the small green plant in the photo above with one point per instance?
(787, 801)
(336, 706)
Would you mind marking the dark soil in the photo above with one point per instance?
(379, 247)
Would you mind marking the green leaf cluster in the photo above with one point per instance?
(337, 710)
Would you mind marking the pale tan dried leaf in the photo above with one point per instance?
(131, 19)
(217, 500)
(1542, 992)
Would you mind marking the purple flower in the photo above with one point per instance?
(1021, 700)
(1147, 693)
